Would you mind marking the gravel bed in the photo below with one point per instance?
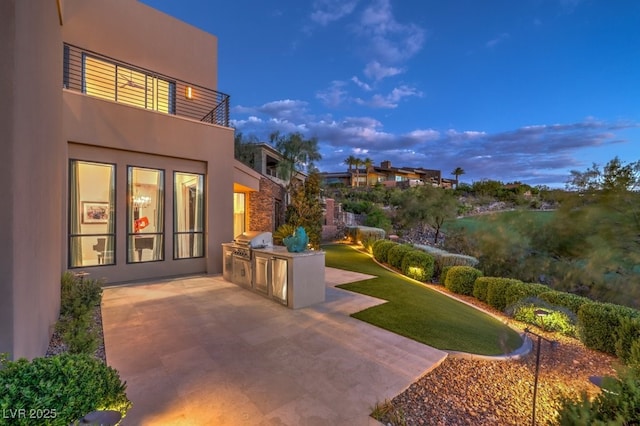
(57, 346)
(462, 391)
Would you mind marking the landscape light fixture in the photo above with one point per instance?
(539, 313)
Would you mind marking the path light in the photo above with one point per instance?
(540, 313)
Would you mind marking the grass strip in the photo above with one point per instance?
(420, 313)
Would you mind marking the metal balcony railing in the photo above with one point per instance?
(101, 76)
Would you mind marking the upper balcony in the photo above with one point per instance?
(101, 76)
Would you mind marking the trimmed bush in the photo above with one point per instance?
(480, 286)
(397, 253)
(443, 274)
(460, 279)
(443, 259)
(65, 386)
(627, 337)
(360, 233)
(519, 291)
(497, 291)
(599, 322)
(571, 301)
(418, 265)
(381, 250)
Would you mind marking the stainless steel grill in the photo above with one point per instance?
(238, 265)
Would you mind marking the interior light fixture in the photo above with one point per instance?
(188, 92)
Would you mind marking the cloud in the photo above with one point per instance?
(376, 71)
(535, 154)
(392, 99)
(388, 40)
(497, 40)
(334, 95)
(328, 11)
(361, 84)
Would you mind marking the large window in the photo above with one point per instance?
(91, 214)
(127, 85)
(239, 213)
(188, 215)
(145, 223)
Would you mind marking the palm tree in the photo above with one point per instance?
(350, 161)
(457, 172)
(368, 162)
(358, 163)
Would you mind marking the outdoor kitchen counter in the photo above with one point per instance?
(294, 279)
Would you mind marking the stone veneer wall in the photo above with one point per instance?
(262, 205)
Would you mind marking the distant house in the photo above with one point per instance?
(387, 175)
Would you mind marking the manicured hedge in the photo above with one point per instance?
(397, 253)
(627, 344)
(519, 291)
(381, 250)
(497, 291)
(570, 301)
(443, 259)
(480, 287)
(558, 319)
(599, 323)
(418, 265)
(64, 387)
(460, 279)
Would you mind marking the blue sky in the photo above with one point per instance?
(506, 89)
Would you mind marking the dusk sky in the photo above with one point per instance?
(509, 90)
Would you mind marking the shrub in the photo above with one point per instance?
(285, 230)
(381, 250)
(558, 318)
(570, 301)
(518, 291)
(619, 405)
(598, 324)
(67, 385)
(443, 273)
(460, 279)
(497, 291)
(627, 341)
(360, 233)
(77, 334)
(78, 296)
(480, 286)
(418, 265)
(443, 259)
(397, 253)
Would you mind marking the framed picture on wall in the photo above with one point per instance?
(95, 212)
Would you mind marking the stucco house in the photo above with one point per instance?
(387, 175)
(118, 155)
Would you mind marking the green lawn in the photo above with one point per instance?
(420, 313)
(510, 219)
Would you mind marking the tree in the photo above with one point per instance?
(358, 163)
(245, 149)
(305, 209)
(616, 176)
(426, 206)
(298, 154)
(368, 162)
(458, 171)
(350, 161)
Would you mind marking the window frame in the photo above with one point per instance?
(204, 216)
(113, 235)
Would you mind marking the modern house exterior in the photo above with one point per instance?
(118, 154)
(387, 175)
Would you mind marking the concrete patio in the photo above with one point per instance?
(201, 350)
